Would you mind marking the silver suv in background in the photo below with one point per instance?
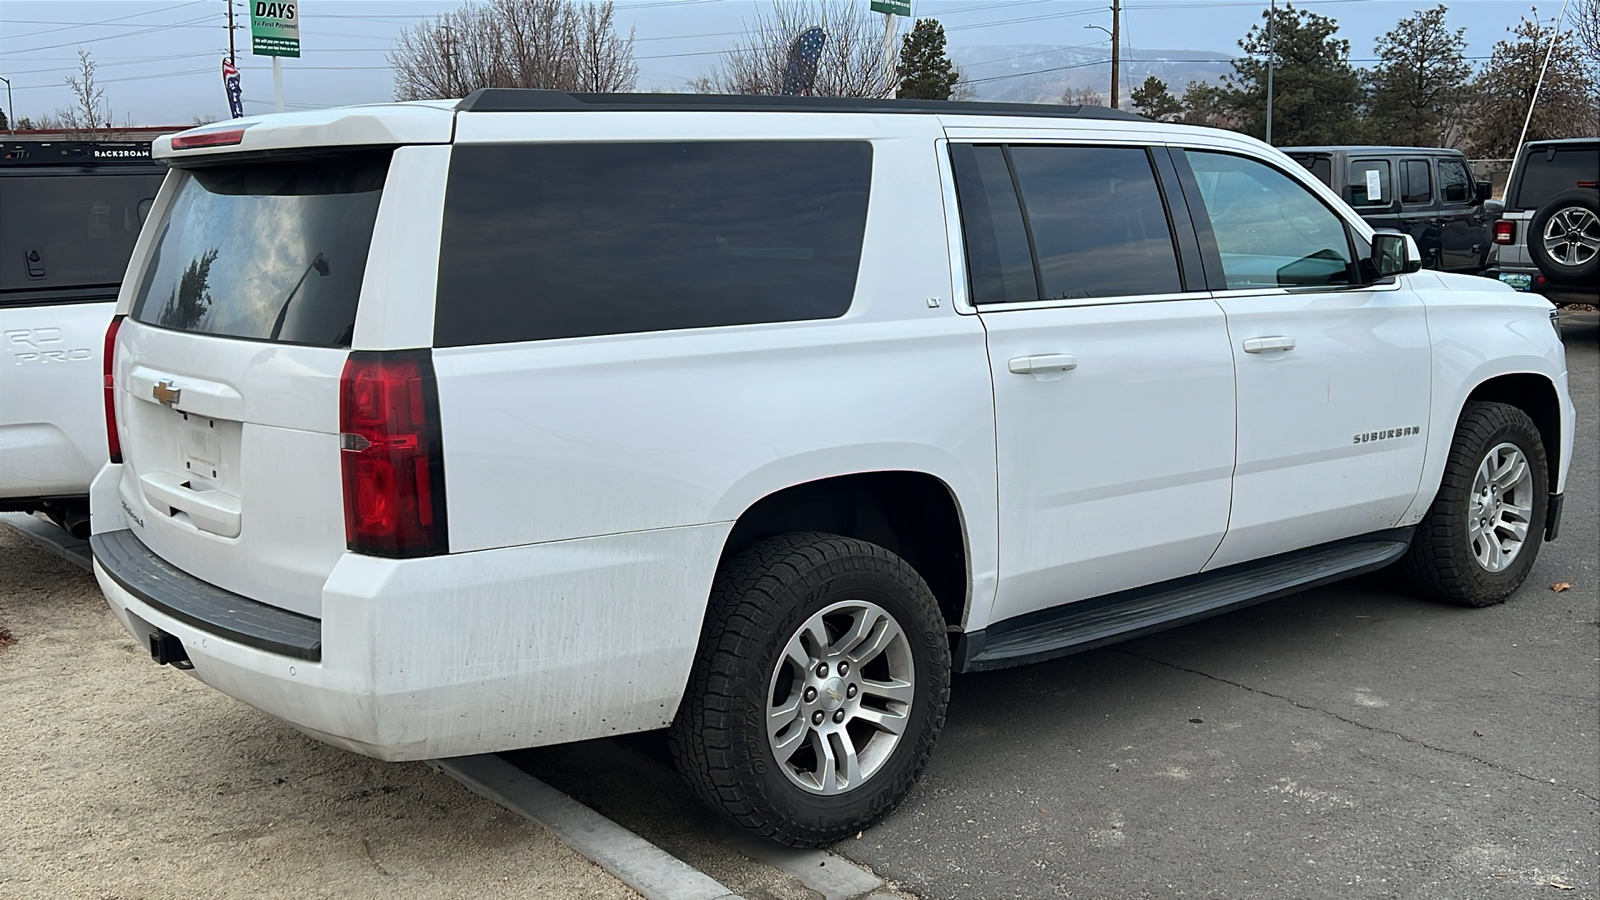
(1548, 239)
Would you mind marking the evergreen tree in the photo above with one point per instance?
(1420, 87)
(1154, 101)
(1566, 107)
(1316, 92)
(925, 70)
(5, 123)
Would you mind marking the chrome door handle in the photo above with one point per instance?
(1050, 362)
(1263, 344)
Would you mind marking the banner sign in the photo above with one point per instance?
(275, 28)
(892, 7)
(230, 83)
(800, 66)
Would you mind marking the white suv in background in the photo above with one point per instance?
(451, 428)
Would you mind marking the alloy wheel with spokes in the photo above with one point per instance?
(1500, 507)
(841, 697)
(1481, 535)
(1572, 236)
(818, 689)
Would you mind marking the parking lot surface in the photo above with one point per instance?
(124, 779)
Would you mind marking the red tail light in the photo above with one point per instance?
(391, 455)
(113, 441)
(1505, 232)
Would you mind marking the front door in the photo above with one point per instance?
(1333, 377)
(1113, 378)
(1463, 237)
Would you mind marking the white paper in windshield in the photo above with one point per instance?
(1374, 188)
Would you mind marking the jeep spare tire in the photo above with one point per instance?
(1564, 237)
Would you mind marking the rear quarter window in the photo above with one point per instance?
(545, 241)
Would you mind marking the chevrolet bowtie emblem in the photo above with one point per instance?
(165, 393)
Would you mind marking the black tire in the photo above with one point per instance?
(1571, 203)
(759, 600)
(1441, 561)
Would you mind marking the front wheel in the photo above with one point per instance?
(818, 689)
(1483, 531)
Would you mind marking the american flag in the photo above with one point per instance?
(230, 83)
(800, 71)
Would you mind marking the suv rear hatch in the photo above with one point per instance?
(237, 329)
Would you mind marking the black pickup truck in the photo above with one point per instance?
(1428, 193)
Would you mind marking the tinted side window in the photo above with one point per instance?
(1370, 183)
(1547, 174)
(1270, 230)
(1099, 226)
(1455, 182)
(81, 225)
(1419, 180)
(549, 241)
(999, 261)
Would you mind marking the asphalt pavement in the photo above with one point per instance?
(1351, 741)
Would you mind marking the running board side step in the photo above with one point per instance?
(1084, 625)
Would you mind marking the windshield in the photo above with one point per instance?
(268, 251)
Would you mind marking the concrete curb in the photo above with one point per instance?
(638, 863)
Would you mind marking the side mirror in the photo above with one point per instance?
(1485, 191)
(1394, 254)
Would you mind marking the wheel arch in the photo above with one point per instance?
(1535, 395)
(912, 514)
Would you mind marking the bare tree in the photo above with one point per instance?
(605, 60)
(1085, 96)
(854, 62)
(554, 44)
(89, 110)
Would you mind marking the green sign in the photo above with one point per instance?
(275, 28)
(892, 7)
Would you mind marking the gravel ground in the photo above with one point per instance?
(125, 779)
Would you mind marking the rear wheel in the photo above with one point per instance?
(818, 690)
(1483, 531)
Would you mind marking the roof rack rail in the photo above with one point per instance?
(532, 100)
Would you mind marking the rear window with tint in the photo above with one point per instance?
(1548, 173)
(547, 241)
(266, 251)
(1318, 165)
(1370, 183)
(81, 226)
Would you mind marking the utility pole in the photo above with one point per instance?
(1116, 49)
(1272, 59)
(231, 58)
(11, 110)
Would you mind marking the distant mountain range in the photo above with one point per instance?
(1041, 73)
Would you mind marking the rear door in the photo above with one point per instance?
(229, 367)
(1419, 209)
(1113, 381)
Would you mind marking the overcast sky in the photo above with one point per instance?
(159, 61)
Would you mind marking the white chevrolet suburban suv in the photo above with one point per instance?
(451, 428)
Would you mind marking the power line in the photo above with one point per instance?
(72, 25)
(113, 37)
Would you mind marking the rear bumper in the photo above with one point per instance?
(1530, 280)
(446, 656)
